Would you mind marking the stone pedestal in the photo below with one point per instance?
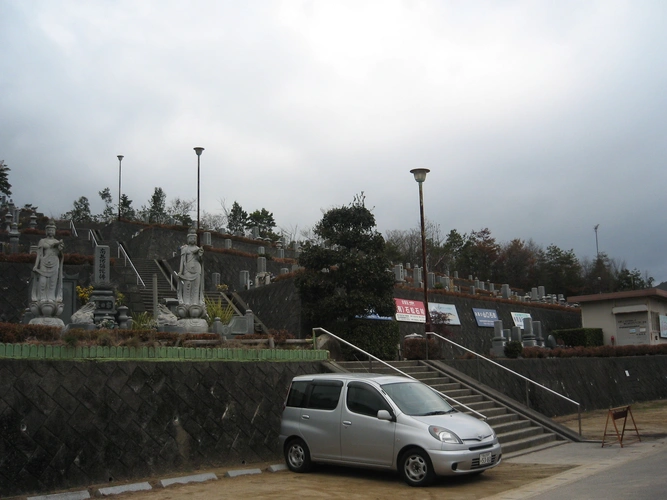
(193, 325)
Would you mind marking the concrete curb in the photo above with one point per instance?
(145, 486)
(124, 488)
(197, 478)
(70, 495)
(242, 472)
(276, 468)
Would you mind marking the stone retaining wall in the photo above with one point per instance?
(66, 424)
(595, 383)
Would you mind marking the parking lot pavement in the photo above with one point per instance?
(634, 471)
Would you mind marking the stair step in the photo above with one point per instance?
(530, 442)
(506, 427)
(494, 420)
(518, 434)
(481, 405)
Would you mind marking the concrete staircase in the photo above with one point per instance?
(516, 432)
(146, 269)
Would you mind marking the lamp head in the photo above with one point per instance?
(198, 151)
(420, 174)
(120, 157)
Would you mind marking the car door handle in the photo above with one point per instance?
(347, 422)
(305, 417)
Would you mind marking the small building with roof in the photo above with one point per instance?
(632, 317)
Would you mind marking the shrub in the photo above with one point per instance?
(379, 338)
(415, 348)
(573, 337)
(513, 349)
(216, 309)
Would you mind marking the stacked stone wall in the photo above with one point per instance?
(66, 424)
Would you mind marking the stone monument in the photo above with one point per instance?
(191, 307)
(46, 295)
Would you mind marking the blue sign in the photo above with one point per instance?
(485, 317)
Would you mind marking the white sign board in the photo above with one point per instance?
(518, 318)
(447, 310)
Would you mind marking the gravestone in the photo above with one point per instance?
(102, 295)
(255, 232)
(206, 238)
(398, 273)
(261, 265)
(101, 274)
(281, 253)
(244, 280)
(537, 328)
(431, 280)
(498, 341)
(528, 338)
(516, 334)
(505, 291)
(417, 275)
(227, 243)
(260, 250)
(540, 292)
(533, 293)
(215, 280)
(284, 270)
(456, 274)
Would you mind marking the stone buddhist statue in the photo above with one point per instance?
(46, 295)
(191, 304)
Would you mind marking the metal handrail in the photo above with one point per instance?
(71, 225)
(526, 379)
(127, 259)
(91, 236)
(392, 367)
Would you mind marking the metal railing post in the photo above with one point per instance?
(526, 379)
(449, 398)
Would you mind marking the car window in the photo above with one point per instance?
(324, 395)
(361, 398)
(296, 394)
(415, 398)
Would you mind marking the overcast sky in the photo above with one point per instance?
(538, 119)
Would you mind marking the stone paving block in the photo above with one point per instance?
(243, 472)
(197, 478)
(124, 488)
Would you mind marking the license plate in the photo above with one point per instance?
(485, 458)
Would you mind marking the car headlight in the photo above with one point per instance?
(444, 435)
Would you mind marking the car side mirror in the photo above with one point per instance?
(385, 415)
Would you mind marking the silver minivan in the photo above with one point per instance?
(384, 422)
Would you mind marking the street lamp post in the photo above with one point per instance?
(120, 159)
(597, 248)
(198, 151)
(420, 177)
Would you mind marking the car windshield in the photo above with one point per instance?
(417, 399)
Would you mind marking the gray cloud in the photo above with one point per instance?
(537, 120)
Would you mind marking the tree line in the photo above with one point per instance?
(522, 264)
(234, 220)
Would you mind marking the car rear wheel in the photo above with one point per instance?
(416, 468)
(297, 456)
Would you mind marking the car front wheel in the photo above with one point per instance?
(416, 468)
(297, 456)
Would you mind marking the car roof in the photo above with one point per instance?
(375, 377)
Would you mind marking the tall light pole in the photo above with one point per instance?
(597, 249)
(198, 151)
(120, 159)
(420, 177)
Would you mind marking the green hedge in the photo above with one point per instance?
(584, 337)
(379, 338)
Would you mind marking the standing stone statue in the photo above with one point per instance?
(191, 305)
(46, 295)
